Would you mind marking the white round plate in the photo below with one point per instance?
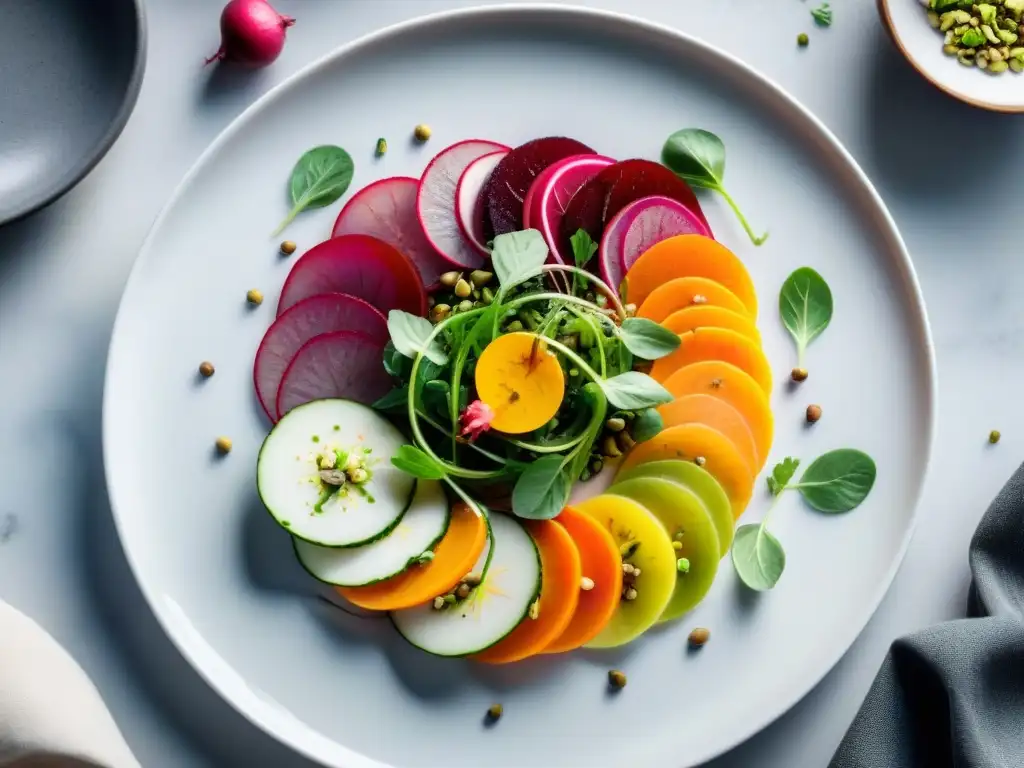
(349, 692)
(907, 23)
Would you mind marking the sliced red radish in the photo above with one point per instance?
(551, 192)
(300, 323)
(340, 364)
(597, 202)
(386, 210)
(436, 202)
(507, 188)
(643, 223)
(361, 266)
(469, 203)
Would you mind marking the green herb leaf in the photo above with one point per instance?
(632, 390)
(395, 400)
(319, 178)
(542, 491)
(805, 304)
(415, 462)
(822, 15)
(395, 363)
(837, 481)
(647, 424)
(782, 474)
(517, 256)
(758, 557)
(698, 156)
(647, 339)
(583, 248)
(436, 397)
(409, 333)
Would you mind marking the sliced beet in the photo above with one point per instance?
(617, 186)
(310, 317)
(345, 364)
(359, 265)
(386, 210)
(436, 203)
(506, 189)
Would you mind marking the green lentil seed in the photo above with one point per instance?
(802, 39)
(617, 679)
(994, 436)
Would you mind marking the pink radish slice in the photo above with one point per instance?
(386, 210)
(468, 204)
(300, 323)
(346, 364)
(659, 217)
(361, 266)
(436, 201)
(508, 186)
(550, 193)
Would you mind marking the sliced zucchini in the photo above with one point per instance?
(418, 531)
(493, 609)
(289, 479)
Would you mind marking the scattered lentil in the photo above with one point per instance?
(994, 436)
(699, 298)
(802, 39)
(480, 278)
(254, 297)
(288, 247)
(223, 445)
(422, 132)
(462, 592)
(495, 712)
(617, 679)
(449, 279)
(798, 374)
(700, 461)
(438, 603)
(631, 594)
(615, 424)
(586, 583)
(813, 413)
(677, 545)
(206, 369)
(699, 637)
(627, 568)
(609, 448)
(382, 147)
(463, 289)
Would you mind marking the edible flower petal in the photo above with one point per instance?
(476, 419)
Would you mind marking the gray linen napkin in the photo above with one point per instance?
(952, 696)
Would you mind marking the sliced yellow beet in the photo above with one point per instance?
(521, 381)
(734, 386)
(683, 292)
(716, 344)
(710, 449)
(717, 414)
(689, 256)
(705, 316)
(647, 546)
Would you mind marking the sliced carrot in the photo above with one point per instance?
(691, 442)
(454, 557)
(559, 595)
(602, 564)
(689, 256)
(683, 292)
(716, 344)
(717, 414)
(705, 316)
(734, 386)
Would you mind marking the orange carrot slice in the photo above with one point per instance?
(689, 256)
(716, 344)
(717, 414)
(559, 595)
(683, 292)
(705, 316)
(521, 381)
(454, 557)
(692, 442)
(734, 386)
(602, 564)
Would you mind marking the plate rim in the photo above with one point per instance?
(609, 19)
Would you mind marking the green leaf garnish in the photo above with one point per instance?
(518, 256)
(320, 177)
(647, 339)
(838, 481)
(583, 248)
(758, 557)
(698, 156)
(409, 334)
(542, 491)
(805, 305)
(415, 462)
(782, 474)
(822, 15)
(632, 390)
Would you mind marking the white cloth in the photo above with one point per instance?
(50, 712)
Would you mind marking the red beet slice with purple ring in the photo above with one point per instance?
(310, 317)
(506, 190)
(361, 266)
(345, 364)
(386, 210)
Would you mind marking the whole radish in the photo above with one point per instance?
(252, 33)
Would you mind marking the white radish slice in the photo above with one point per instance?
(418, 531)
(288, 479)
(470, 206)
(492, 610)
(436, 204)
(345, 364)
(300, 323)
(386, 210)
(655, 222)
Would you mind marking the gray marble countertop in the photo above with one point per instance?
(62, 270)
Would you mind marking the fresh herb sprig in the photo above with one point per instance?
(319, 178)
(805, 306)
(822, 15)
(835, 482)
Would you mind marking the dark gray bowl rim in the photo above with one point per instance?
(99, 151)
